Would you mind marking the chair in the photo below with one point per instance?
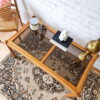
(9, 17)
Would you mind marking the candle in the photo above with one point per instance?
(34, 23)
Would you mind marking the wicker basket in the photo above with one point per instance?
(5, 12)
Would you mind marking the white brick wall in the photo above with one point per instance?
(80, 17)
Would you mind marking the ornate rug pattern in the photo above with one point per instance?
(22, 80)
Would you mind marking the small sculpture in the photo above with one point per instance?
(92, 47)
(63, 36)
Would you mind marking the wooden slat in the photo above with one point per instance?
(4, 7)
(95, 70)
(86, 72)
(49, 52)
(78, 46)
(51, 29)
(72, 95)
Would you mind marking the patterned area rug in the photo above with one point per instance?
(91, 90)
(22, 80)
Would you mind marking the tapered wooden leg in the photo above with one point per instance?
(12, 52)
(15, 1)
(20, 38)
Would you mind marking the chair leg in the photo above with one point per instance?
(12, 52)
(18, 11)
(20, 39)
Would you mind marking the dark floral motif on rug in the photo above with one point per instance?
(46, 82)
(22, 80)
(11, 76)
(91, 90)
(7, 80)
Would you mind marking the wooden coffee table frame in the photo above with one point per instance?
(75, 90)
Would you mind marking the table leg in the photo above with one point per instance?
(12, 52)
(20, 39)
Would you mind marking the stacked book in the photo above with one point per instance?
(61, 44)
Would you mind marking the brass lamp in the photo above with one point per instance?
(92, 47)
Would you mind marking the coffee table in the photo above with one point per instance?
(48, 57)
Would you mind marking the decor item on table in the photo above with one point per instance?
(41, 32)
(63, 36)
(92, 47)
(39, 29)
(59, 43)
(34, 23)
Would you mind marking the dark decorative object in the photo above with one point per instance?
(46, 82)
(40, 33)
(38, 29)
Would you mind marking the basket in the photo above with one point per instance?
(5, 12)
